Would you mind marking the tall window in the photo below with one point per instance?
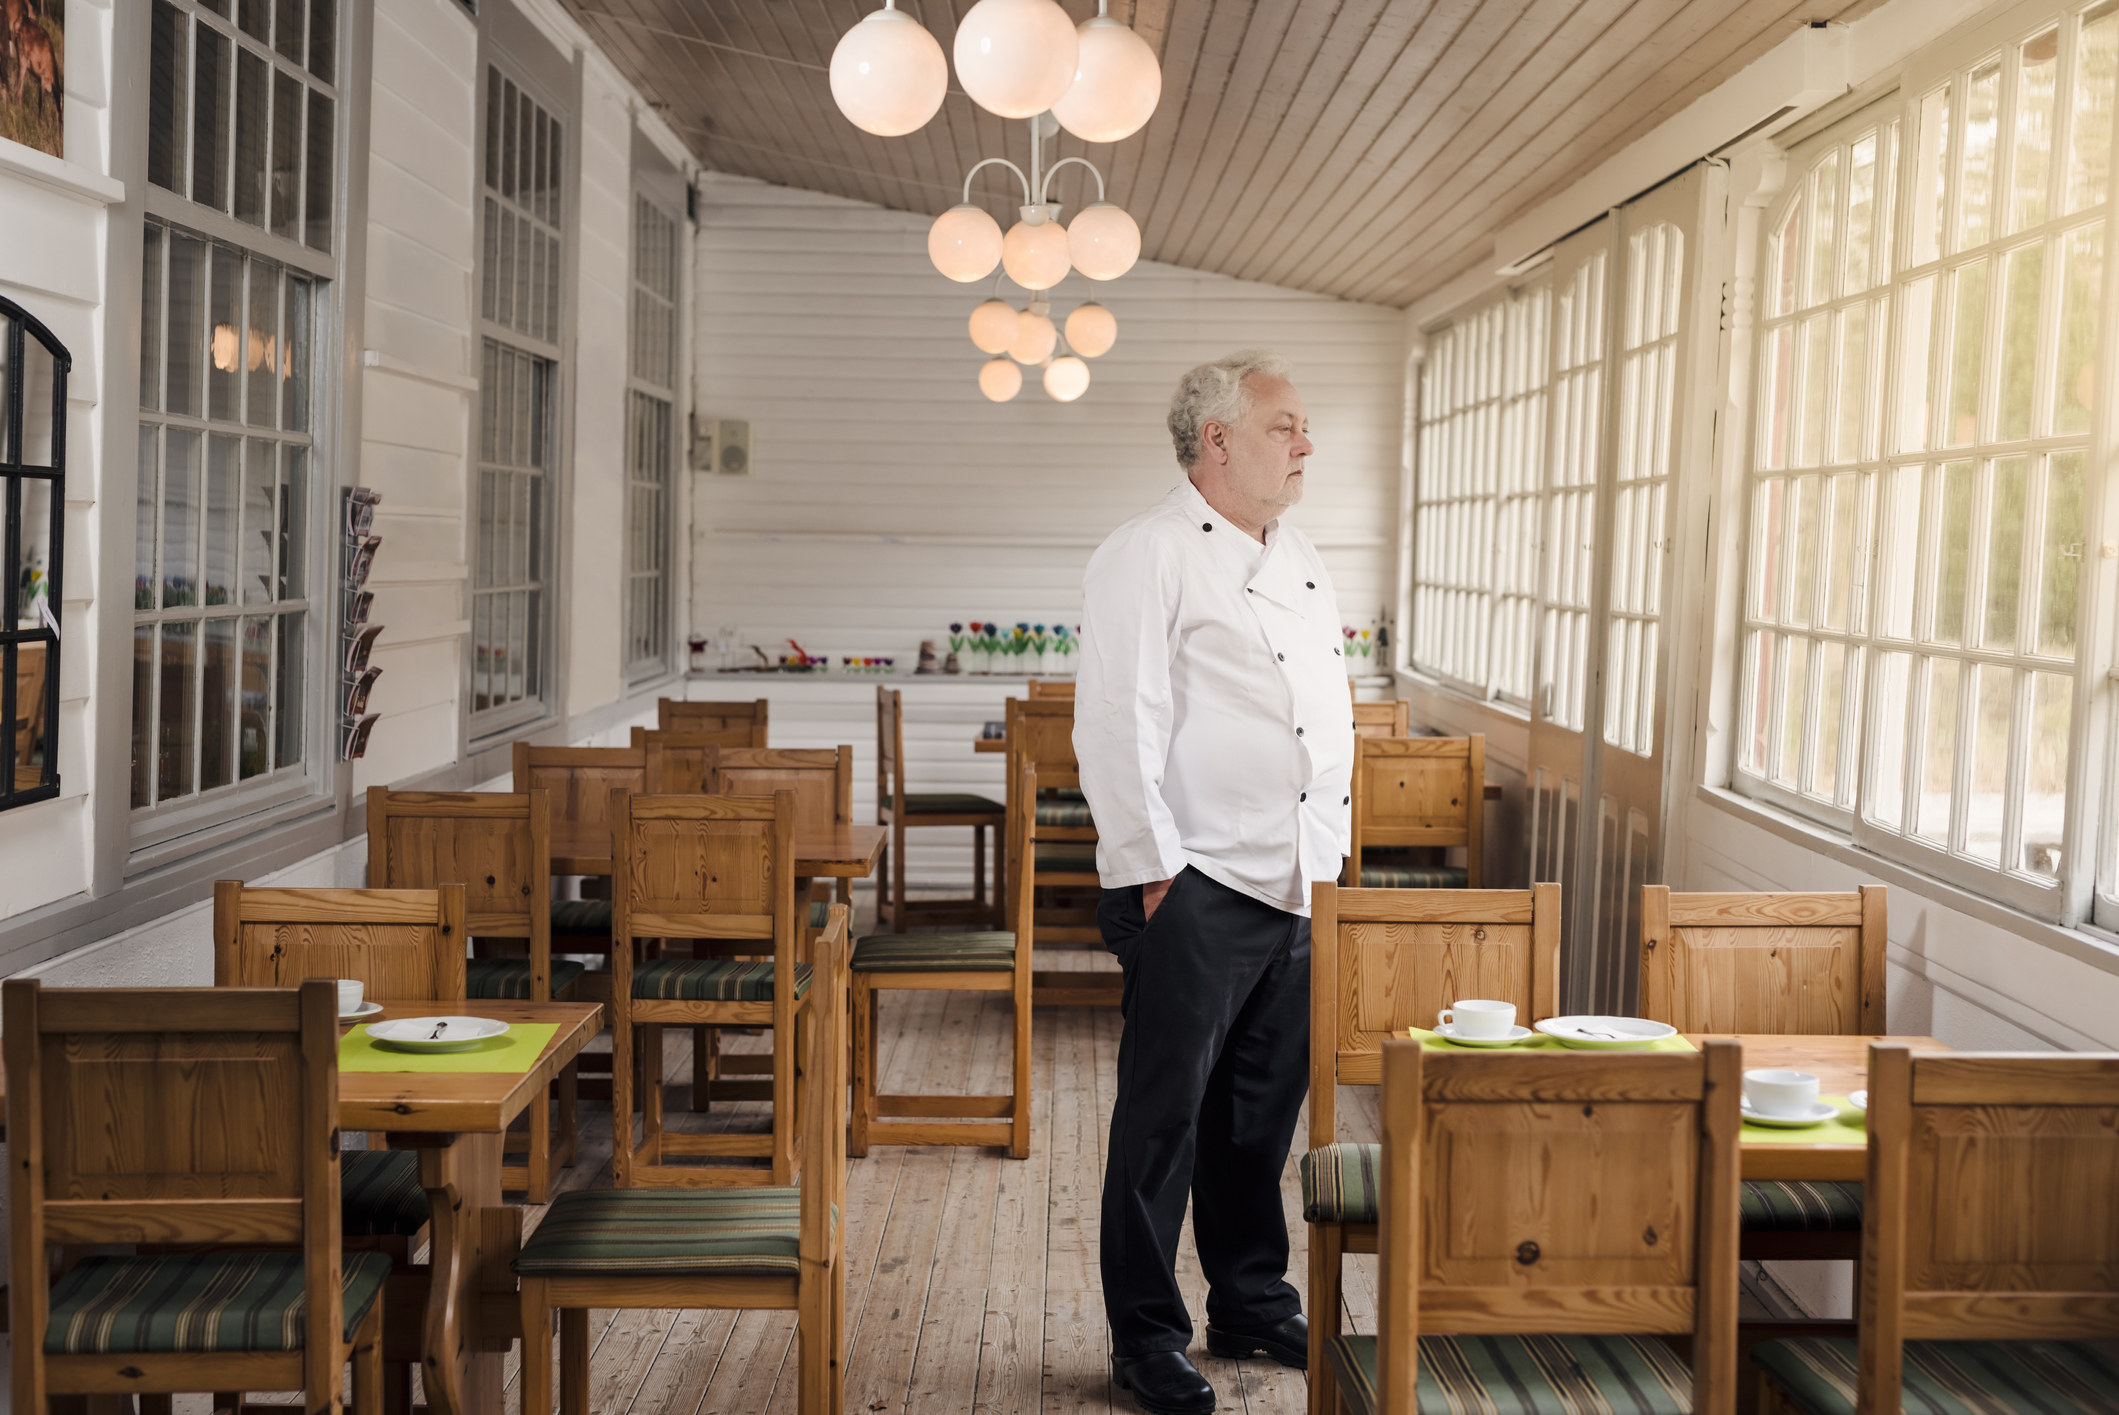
(1570, 544)
(1475, 527)
(236, 250)
(1928, 370)
(520, 310)
(651, 403)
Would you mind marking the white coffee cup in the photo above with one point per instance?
(349, 995)
(1477, 1017)
(1788, 1095)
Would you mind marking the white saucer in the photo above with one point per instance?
(1859, 1100)
(417, 1033)
(1605, 1033)
(366, 1009)
(1820, 1112)
(1448, 1032)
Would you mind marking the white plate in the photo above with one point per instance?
(1859, 1100)
(366, 1009)
(1448, 1032)
(1605, 1033)
(418, 1033)
(1820, 1112)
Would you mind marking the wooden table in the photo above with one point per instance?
(456, 1121)
(1841, 1065)
(835, 852)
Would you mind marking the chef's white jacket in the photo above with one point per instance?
(1212, 717)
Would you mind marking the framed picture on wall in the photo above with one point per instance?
(33, 74)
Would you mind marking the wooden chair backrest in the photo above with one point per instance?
(890, 749)
(676, 715)
(1988, 1213)
(821, 779)
(1482, 1229)
(1041, 733)
(1051, 688)
(403, 944)
(496, 844)
(823, 1104)
(1784, 963)
(1382, 960)
(579, 780)
(1393, 719)
(717, 867)
(174, 1115)
(681, 763)
(1420, 791)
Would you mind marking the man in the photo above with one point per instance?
(1211, 719)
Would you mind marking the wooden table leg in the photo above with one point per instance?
(461, 1372)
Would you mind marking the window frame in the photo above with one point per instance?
(21, 326)
(639, 387)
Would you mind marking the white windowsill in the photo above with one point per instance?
(71, 178)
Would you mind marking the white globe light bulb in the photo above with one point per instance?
(993, 326)
(1035, 257)
(964, 243)
(1000, 380)
(1066, 378)
(1034, 339)
(1102, 241)
(1091, 330)
(888, 74)
(1117, 83)
(1016, 58)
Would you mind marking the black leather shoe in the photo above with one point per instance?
(1164, 1383)
(1287, 1342)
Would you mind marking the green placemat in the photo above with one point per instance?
(1850, 1129)
(1537, 1041)
(513, 1052)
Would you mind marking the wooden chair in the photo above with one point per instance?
(716, 868)
(1393, 719)
(1990, 1258)
(676, 715)
(1493, 1229)
(498, 846)
(579, 782)
(1382, 960)
(943, 962)
(1050, 688)
(682, 763)
(776, 1248)
(900, 811)
(182, 1116)
(1776, 963)
(1417, 793)
(1052, 846)
(821, 779)
(405, 945)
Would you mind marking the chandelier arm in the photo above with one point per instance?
(987, 162)
(1053, 171)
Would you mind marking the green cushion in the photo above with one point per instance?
(668, 1232)
(1063, 793)
(711, 980)
(819, 913)
(951, 803)
(508, 979)
(1067, 856)
(216, 1301)
(1342, 1183)
(582, 916)
(1526, 1375)
(1413, 877)
(1800, 1206)
(379, 1193)
(1954, 1377)
(976, 952)
(1055, 812)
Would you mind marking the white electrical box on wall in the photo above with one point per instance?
(721, 446)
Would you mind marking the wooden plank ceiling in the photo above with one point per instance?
(1362, 148)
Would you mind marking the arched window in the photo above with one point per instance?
(33, 369)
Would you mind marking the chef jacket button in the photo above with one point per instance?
(1311, 583)
(1345, 800)
(1335, 653)
(1304, 796)
(1281, 656)
(1298, 732)
(1206, 525)
(1248, 590)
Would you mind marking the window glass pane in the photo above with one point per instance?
(1824, 228)
(1984, 808)
(260, 519)
(288, 706)
(316, 229)
(187, 324)
(1787, 259)
(1898, 556)
(2004, 567)
(286, 190)
(146, 518)
(1795, 686)
(294, 526)
(2089, 172)
(1938, 760)
(151, 318)
(224, 385)
(323, 39)
(2060, 559)
(209, 118)
(2045, 779)
(261, 343)
(2038, 67)
(1777, 403)
(1831, 702)
(166, 91)
(287, 29)
(2081, 293)
(1802, 585)
(1818, 378)
(1759, 677)
(1950, 514)
(1915, 329)
(294, 358)
(2019, 340)
(222, 457)
(1961, 427)
(1931, 191)
(1887, 802)
(254, 722)
(180, 519)
(1982, 102)
(1845, 551)
(143, 688)
(1848, 443)
(175, 741)
(255, 16)
(217, 704)
(1861, 214)
(251, 87)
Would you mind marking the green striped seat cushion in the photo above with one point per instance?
(1067, 856)
(711, 980)
(1526, 1375)
(582, 916)
(1341, 1183)
(1410, 877)
(667, 1232)
(819, 913)
(1056, 812)
(379, 1194)
(508, 979)
(191, 1302)
(1799, 1206)
(1954, 1377)
(1063, 793)
(951, 803)
(992, 951)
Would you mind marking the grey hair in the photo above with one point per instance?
(1214, 393)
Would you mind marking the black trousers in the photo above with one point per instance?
(1212, 1069)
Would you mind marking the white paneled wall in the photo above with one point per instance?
(887, 497)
